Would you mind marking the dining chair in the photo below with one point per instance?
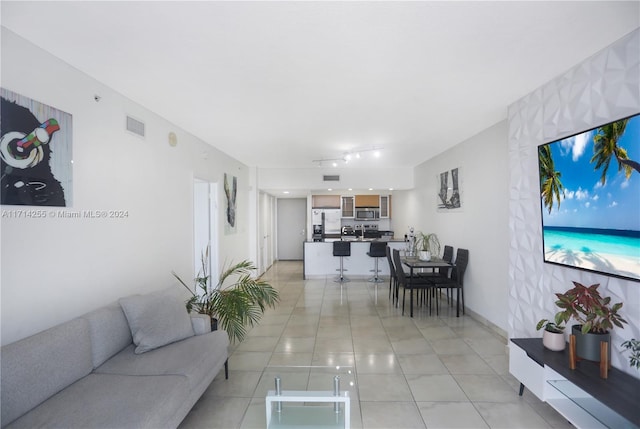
(456, 279)
(447, 255)
(418, 283)
(393, 277)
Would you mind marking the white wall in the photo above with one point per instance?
(293, 179)
(481, 224)
(55, 269)
(602, 88)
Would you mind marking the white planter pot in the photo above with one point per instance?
(553, 341)
(424, 255)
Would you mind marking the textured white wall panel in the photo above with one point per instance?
(600, 89)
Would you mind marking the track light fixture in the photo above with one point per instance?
(348, 157)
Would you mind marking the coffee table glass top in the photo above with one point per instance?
(310, 378)
(312, 396)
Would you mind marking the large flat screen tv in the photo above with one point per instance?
(590, 199)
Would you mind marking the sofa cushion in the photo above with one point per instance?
(39, 366)
(193, 357)
(110, 401)
(156, 319)
(109, 331)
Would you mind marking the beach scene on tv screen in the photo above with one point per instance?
(590, 199)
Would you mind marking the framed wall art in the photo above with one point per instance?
(449, 190)
(230, 191)
(35, 147)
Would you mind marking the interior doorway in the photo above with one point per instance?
(205, 225)
(292, 228)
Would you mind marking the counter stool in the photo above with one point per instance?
(377, 249)
(341, 249)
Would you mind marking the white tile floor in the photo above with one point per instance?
(421, 372)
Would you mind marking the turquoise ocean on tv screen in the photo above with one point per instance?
(588, 240)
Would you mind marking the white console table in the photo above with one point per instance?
(580, 395)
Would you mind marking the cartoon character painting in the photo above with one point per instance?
(27, 144)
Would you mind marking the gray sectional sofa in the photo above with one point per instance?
(140, 363)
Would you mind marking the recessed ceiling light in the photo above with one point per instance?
(376, 154)
(391, 189)
(329, 189)
(335, 164)
(371, 189)
(351, 189)
(285, 192)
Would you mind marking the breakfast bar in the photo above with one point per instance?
(319, 261)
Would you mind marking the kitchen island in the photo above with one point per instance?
(319, 261)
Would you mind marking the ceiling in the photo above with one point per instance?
(280, 84)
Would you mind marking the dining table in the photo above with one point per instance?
(415, 263)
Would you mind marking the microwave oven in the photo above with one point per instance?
(367, 214)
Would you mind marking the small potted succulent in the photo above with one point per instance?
(595, 315)
(553, 335)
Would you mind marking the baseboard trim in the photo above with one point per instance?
(488, 324)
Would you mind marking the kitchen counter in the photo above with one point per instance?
(356, 240)
(319, 261)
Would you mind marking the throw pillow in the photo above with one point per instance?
(156, 319)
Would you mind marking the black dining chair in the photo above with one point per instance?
(417, 283)
(456, 279)
(447, 255)
(393, 277)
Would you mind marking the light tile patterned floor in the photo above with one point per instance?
(423, 372)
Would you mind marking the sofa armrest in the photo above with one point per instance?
(201, 323)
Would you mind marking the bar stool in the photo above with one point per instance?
(341, 249)
(377, 249)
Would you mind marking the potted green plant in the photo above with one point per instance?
(595, 316)
(633, 346)
(553, 335)
(427, 245)
(235, 301)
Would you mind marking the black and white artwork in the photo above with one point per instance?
(35, 147)
(230, 191)
(450, 192)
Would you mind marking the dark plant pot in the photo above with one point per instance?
(588, 345)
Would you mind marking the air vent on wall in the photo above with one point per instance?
(331, 178)
(135, 126)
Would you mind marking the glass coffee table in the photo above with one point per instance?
(308, 396)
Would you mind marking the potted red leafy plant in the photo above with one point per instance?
(595, 315)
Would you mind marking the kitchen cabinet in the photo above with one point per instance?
(325, 201)
(385, 206)
(348, 207)
(367, 200)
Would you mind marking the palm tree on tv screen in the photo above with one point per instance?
(550, 183)
(605, 147)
